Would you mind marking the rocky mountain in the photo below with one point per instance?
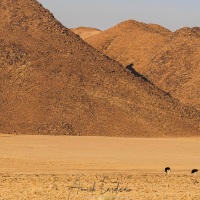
(52, 82)
(170, 60)
(129, 42)
(85, 32)
(175, 66)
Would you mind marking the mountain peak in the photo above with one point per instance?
(188, 32)
(135, 25)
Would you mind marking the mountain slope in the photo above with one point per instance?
(85, 32)
(129, 42)
(175, 66)
(52, 82)
(169, 60)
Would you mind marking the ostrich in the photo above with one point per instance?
(194, 171)
(167, 170)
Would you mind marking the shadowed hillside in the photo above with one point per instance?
(175, 66)
(170, 60)
(52, 82)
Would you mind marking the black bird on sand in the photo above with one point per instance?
(194, 171)
(167, 170)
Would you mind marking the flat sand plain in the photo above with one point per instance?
(59, 167)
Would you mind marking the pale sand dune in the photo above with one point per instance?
(46, 167)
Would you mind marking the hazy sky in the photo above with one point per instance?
(103, 14)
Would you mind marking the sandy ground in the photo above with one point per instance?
(48, 167)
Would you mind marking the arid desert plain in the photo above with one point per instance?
(60, 167)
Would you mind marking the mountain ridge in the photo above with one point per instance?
(54, 83)
(170, 61)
